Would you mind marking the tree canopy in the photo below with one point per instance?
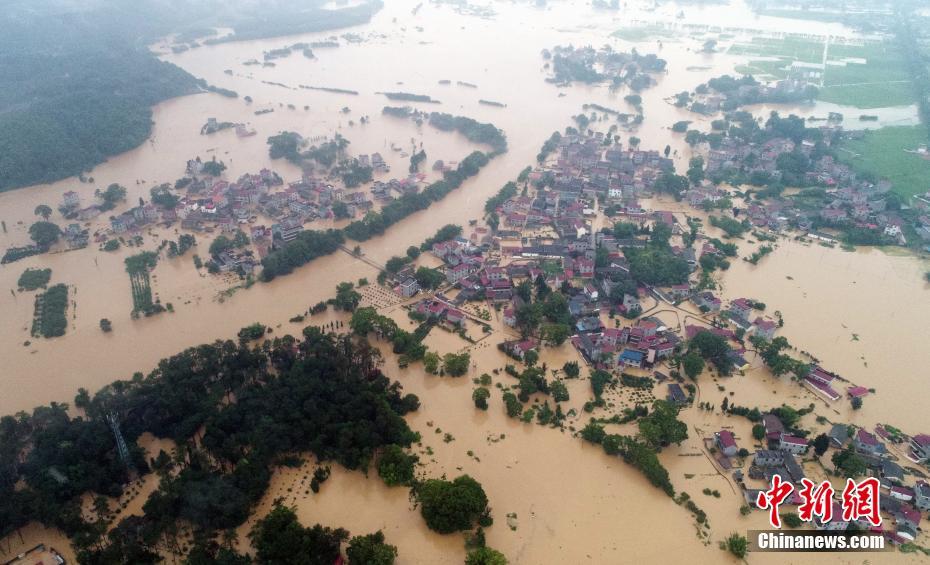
(451, 506)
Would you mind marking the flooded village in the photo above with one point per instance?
(695, 258)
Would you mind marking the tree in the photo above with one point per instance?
(395, 264)
(821, 443)
(214, 168)
(279, 538)
(413, 252)
(525, 290)
(210, 553)
(737, 545)
(396, 467)
(857, 403)
(370, 550)
(106, 325)
(162, 196)
(713, 348)
(848, 463)
(571, 369)
(428, 278)
(346, 298)
(693, 364)
(109, 197)
(696, 169)
(662, 427)
(340, 210)
(512, 404)
(660, 234)
(480, 397)
(44, 234)
(485, 556)
(32, 279)
(451, 506)
(559, 391)
(670, 183)
(593, 432)
(599, 381)
(222, 243)
(82, 398)
(252, 332)
(657, 266)
(758, 431)
(43, 210)
(530, 358)
(431, 362)
(792, 520)
(456, 365)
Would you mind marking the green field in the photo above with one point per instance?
(803, 15)
(790, 48)
(878, 95)
(881, 81)
(882, 152)
(643, 33)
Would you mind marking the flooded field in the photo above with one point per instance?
(863, 314)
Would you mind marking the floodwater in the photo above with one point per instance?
(863, 314)
(571, 501)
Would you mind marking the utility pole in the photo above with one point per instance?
(121, 446)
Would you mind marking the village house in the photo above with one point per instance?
(792, 444)
(839, 435)
(676, 395)
(890, 472)
(864, 442)
(764, 328)
(920, 447)
(460, 271)
(922, 495)
(706, 300)
(740, 309)
(773, 427)
(679, 291)
(408, 287)
(510, 316)
(88, 213)
(632, 358)
(519, 349)
(901, 493)
(767, 463)
(71, 199)
(821, 381)
(726, 442)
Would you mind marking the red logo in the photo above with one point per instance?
(861, 501)
(818, 501)
(773, 498)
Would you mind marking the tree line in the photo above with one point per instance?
(322, 394)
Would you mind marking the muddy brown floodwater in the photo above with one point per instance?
(864, 314)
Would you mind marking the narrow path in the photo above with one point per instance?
(362, 258)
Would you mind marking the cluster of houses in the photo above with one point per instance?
(793, 89)
(587, 64)
(898, 502)
(849, 200)
(210, 204)
(441, 311)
